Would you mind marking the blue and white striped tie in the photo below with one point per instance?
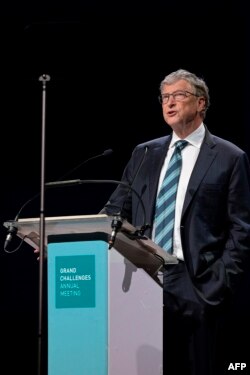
(165, 204)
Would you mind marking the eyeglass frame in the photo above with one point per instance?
(185, 92)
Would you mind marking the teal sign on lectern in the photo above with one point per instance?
(78, 308)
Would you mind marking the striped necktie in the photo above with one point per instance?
(165, 204)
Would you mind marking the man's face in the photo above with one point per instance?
(180, 105)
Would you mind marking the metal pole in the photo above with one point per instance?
(41, 365)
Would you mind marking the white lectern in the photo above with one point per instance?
(104, 306)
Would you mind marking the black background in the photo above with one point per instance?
(105, 61)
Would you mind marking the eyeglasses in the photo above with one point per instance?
(178, 96)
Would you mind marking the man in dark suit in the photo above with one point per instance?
(211, 234)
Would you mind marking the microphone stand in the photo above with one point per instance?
(44, 79)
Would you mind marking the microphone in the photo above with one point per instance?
(116, 226)
(12, 229)
(64, 183)
(105, 153)
(117, 218)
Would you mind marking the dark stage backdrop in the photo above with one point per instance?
(105, 62)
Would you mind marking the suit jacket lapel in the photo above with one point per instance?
(206, 156)
(154, 169)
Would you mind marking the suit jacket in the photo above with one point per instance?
(215, 223)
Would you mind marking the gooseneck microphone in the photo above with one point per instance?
(55, 184)
(12, 229)
(105, 153)
(64, 183)
(118, 219)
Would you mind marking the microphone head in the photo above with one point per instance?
(108, 152)
(12, 230)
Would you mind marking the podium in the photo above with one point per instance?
(105, 313)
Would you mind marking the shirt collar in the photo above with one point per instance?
(194, 138)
